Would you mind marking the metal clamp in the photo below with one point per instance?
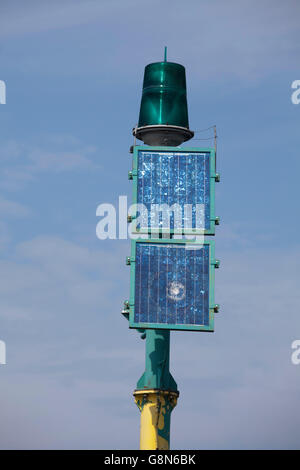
(125, 313)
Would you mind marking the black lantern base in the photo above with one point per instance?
(163, 135)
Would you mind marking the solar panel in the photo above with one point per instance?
(172, 285)
(176, 188)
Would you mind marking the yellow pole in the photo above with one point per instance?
(156, 407)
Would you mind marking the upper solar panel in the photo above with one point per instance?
(174, 190)
(172, 285)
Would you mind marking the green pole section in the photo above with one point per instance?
(156, 393)
(157, 374)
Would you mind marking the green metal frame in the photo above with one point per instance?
(212, 266)
(213, 176)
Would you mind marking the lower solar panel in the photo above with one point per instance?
(172, 285)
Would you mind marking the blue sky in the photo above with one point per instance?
(73, 72)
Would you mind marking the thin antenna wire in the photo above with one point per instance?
(203, 130)
(215, 137)
(208, 138)
(165, 56)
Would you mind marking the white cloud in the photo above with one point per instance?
(22, 163)
(48, 275)
(233, 39)
(13, 209)
(57, 161)
(4, 235)
(79, 411)
(19, 20)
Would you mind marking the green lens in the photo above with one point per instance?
(164, 96)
